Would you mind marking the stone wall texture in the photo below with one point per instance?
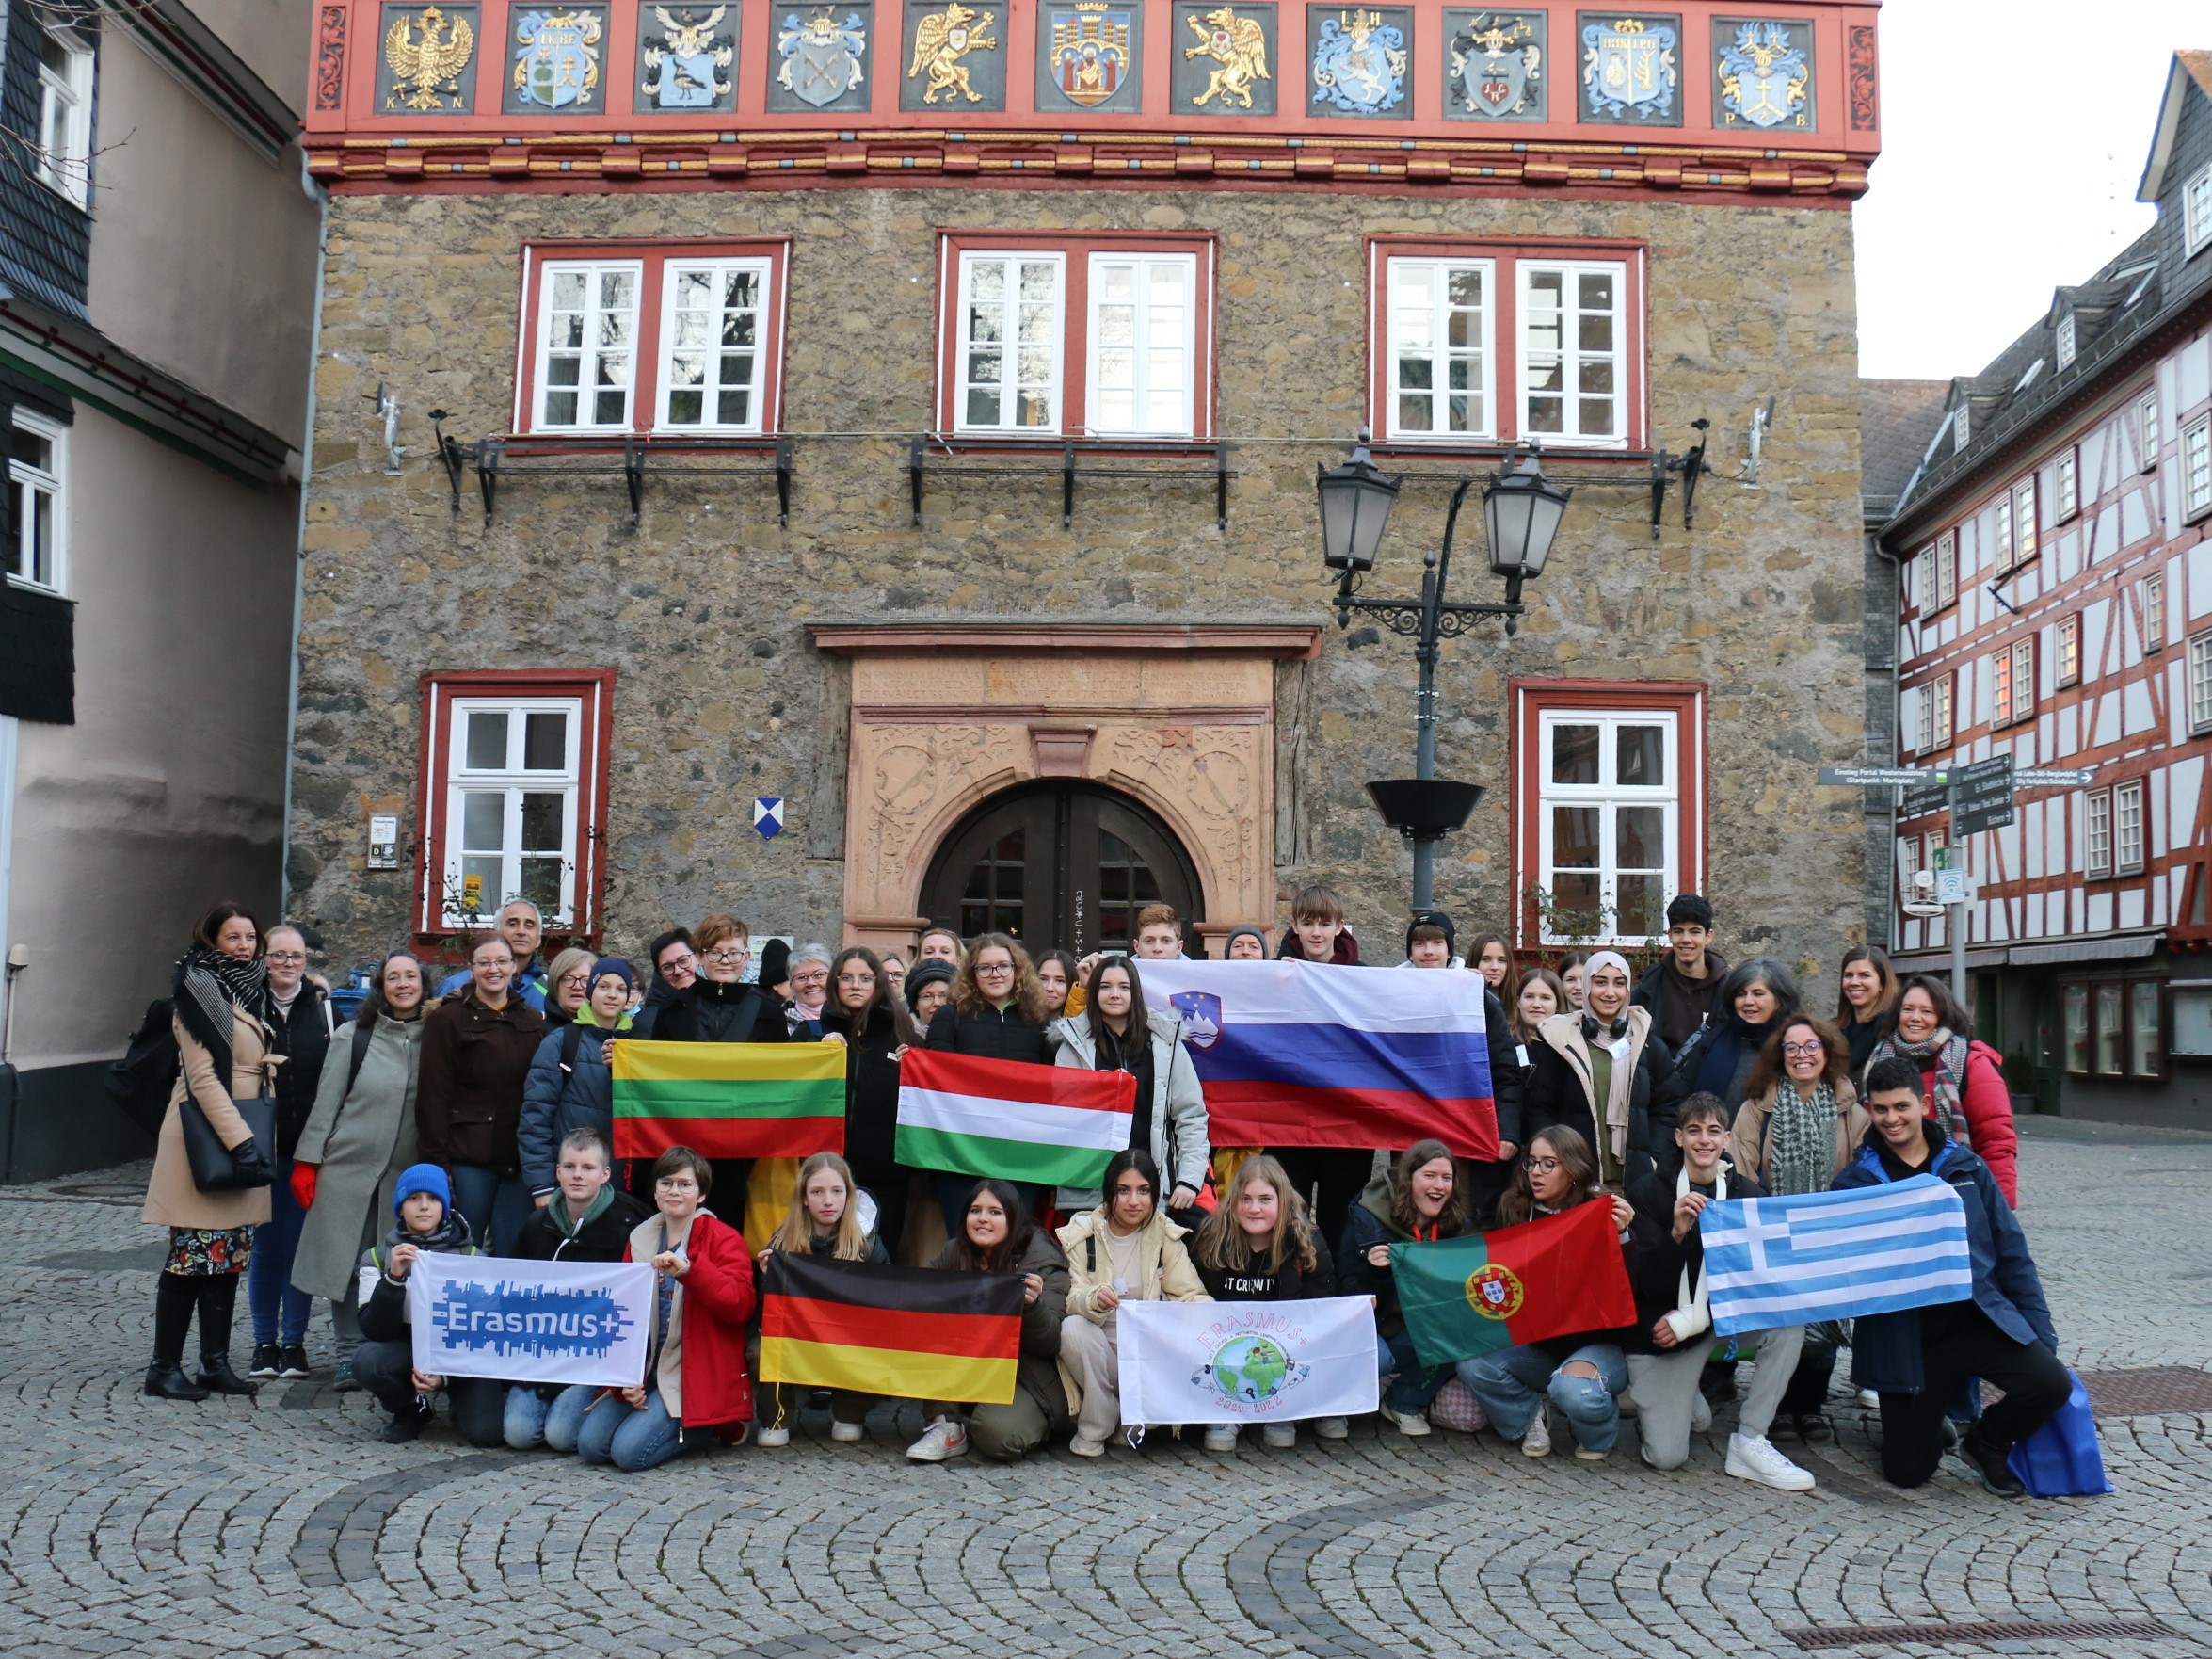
(702, 611)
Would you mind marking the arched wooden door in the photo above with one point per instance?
(1067, 864)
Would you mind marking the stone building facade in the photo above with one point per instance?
(985, 687)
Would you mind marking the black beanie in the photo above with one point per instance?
(1432, 919)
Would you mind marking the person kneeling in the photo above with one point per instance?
(1260, 1247)
(695, 1369)
(588, 1219)
(385, 1363)
(826, 1219)
(1418, 1201)
(999, 1235)
(1670, 1300)
(1918, 1361)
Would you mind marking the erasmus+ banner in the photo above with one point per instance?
(531, 1321)
(1247, 1361)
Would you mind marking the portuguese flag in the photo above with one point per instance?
(1551, 1277)
(1055, 1124)
(729, 1100)
(917, 1332)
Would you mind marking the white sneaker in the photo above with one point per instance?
(772, 1437)
(1701, 1413)
(1869, 1399)
(1537, 1442)
(943, 1439)
(1753, 1458)
(1331, 1429)
(1279, 1435)
(1587, 1456)
(847, 1432)
(1411, 1424)
(1083, 1446)
(1220, 1437)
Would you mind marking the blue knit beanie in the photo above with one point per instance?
(418, 1178)
(615, 966)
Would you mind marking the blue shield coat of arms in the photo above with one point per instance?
(1764, 80)
(1497, 69)
(822, 57)
(1201, 1012)
(1359, 64)
(1629, 69)
(556, 58)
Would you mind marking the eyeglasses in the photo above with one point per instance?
(1542, 1166)
(581, 981)
(736, 954)
(1802, 1050)
(287, 956)
(856, 981)
(993, 969)
(675, 1184)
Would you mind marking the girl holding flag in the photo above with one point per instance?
(824, 1219)
(1259, 1245)
(1116, 1032)
(1419, 1202)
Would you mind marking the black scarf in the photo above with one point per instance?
(450, 1235)
(208, 986)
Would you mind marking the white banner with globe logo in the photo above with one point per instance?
(1247, 1361)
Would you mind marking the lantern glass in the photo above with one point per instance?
(1523, 511)
(1355, 502)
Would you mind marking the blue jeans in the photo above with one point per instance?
(532, 1420)
(268, 1274)
(634, 1436)
(1416, 1385)
(1512, 1386)
(494, 1205)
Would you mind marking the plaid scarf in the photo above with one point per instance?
(208, 986)
(1800, 1139)
(1946, 1055)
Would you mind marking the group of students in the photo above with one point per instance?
(481, 1119)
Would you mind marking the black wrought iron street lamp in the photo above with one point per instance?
(1521, 509)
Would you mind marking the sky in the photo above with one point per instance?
(2014, 138)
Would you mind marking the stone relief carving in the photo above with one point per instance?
(1213, 773)
(910, 772)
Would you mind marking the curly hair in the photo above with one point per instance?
(1029, 996)
(1834, 1053)
(1577, 1162)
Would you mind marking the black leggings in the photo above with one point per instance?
(175, 1297)
(1959, 1340)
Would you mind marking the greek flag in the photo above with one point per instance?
(1773, 1261)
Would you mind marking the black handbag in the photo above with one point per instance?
(216, 1168)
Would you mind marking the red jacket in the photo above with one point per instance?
(1988, 1104)
(717, 1304)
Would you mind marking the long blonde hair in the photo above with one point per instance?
(1221, 1242)
(796, 1234)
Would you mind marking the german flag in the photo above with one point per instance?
(729, 1100)
(914, 1332)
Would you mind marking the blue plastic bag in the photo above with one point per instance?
(2061, 1459)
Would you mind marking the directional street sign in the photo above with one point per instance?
(1875, 777)
(1985, 797)
(2052, 777)
(1930, 796)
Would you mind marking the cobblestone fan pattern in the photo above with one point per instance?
(284, 1527)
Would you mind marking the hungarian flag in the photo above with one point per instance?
(915, 1333)
(1552, 1277)
(1052, 1125)
(729, 1100)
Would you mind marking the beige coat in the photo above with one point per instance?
(171, 1200)
(1169, 1275)
(1748, 1148)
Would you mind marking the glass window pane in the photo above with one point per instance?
(485, 749)
(2077, 1028)
(545, 741)
(1641, 756)
(542, 817)
(1574, 837)
(1596, 291)
(979, 883)
(736, 407)
(484, 816)
(1641, 906)
(1574, 754)
(541, 884)
(2144, 1039)
(1577, 896)
(2111, 1030)
(567, 289)
(1639, 838)
(480, 891)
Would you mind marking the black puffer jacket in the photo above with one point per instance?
(709, 1011)
(1000, 1033)
(302, 1035)
(603, 1238)
(872, 1078)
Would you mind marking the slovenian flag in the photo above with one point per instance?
(1305, 1054)
(916, 1332)
(729, 1100)
(1052, 1125)
(1553, 1277)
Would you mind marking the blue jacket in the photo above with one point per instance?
(1885, 1347)
(554, 1103)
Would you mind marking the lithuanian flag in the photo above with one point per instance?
(730, 1100)
(917, 1332)
(1552, 1277)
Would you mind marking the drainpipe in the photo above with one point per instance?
(316, 194)
(1896, 737)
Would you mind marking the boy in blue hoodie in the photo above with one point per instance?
(385, 1363)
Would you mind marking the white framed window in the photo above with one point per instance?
(1011, 334)
(1935, 845)
(1940, 700)
(2154, 611)
(2199, 669)
(2196, 467)
(586, 344)
(65, 114)
(1610, 796)
(713, 344)
(1924, 580)
(2063, 346)
(2096, 832)
(512, 783)
(2024, 525)
(2196, 213)
(2128, 828)
(2069, 665)
(1574, 351)
(2146, 424)
(2002, 539)
(1946, 568)
(1907, 863)
(38, 499)
(2066, 483)
(1443, 358)
(1143, 344)
(2013, 683)
(1961, 427)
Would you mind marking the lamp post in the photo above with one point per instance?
(1521, 509)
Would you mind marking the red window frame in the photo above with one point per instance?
(645, 390)
(595, 688)
(1505, 336)
(1532, 700)
(1075, 313)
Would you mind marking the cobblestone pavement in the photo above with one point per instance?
(284, 1527)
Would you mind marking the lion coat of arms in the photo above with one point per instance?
(1238, 45)
(940, 40)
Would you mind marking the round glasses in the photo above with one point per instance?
(1802, 1050)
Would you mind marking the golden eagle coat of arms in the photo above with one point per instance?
(426, 67)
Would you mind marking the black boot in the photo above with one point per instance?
(168, 1382)
(218, 1303)
(1987, 1458)
(217, 1377)
(406, 1424)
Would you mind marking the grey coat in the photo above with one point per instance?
(1179, 1108)
(359, 1139)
